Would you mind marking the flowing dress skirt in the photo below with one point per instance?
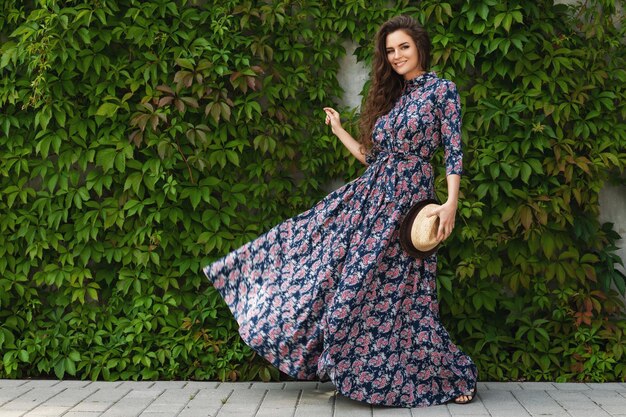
(330, 294)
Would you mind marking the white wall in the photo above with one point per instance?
(352, 76)
(613, 209)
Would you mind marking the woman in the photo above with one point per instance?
(330, 293)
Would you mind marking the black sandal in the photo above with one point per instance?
(471, 396)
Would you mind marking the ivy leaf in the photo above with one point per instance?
(6, 126)
(106, 158)
(107, 110)
(59, 369)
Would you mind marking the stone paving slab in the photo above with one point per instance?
(86, 407)
(169, 384)
(74, 384)
(301, 385)
(434, 411)
(11, 383)
(9, 393)
(202, 384)
(48, 383)
(245, 403)
(611, 386)
(171, 401)
(502, 386)
(539, 403)
(392, 412)
(207, 402)
(51, 398)
(315, 402)
(267, 386)
(278, 403)
(104, 384)
(572, 386)
(542, 386)
(111, 395)
(47, 411)
(70, 397)
(29, 400)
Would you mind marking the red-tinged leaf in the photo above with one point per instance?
(179, 76)
(136, 137)
(542, 216)
(164, 101)
(188, 79)
(242, 86)
(191, 102)
(179, 105)
(165, 89)
(526, 217)
(590, 272)
(251, 83)
(140, 120)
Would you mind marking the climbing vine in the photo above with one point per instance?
(141, 140)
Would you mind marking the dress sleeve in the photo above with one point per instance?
(450, 116)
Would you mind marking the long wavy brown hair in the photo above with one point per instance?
(387, 84)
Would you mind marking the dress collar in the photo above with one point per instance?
(419, 81)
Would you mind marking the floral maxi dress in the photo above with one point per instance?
(331, 294)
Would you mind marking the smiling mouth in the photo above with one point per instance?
(399, 64)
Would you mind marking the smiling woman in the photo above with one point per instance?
(330, 293)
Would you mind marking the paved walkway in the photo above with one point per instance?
(30, 398)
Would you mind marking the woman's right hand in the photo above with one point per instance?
(333, 119)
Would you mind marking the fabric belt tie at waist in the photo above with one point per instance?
(386, 160)
(385, 156)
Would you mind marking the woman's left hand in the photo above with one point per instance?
(446, 213)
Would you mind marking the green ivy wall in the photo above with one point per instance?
(140, 140)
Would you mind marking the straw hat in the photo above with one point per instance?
(418, 233)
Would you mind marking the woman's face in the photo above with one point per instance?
(402, 54)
